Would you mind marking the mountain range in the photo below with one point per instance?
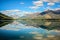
(48, 19)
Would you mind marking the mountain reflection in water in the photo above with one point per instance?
(42, 23)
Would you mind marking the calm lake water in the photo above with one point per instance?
(19, 30)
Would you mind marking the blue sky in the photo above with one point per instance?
(28, 5)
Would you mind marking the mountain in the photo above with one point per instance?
(49, 19)
(53, 14)
(48, 14)
(4, 19)
(53, 11)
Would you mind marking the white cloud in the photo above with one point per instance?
(16, 10)
(51, 4)
(51, 0)
(52, 9)
(38, 3)
(34, 7)
(25, 12)
(57, 9)
(10, 11)
(21, 2)
(13, 13)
